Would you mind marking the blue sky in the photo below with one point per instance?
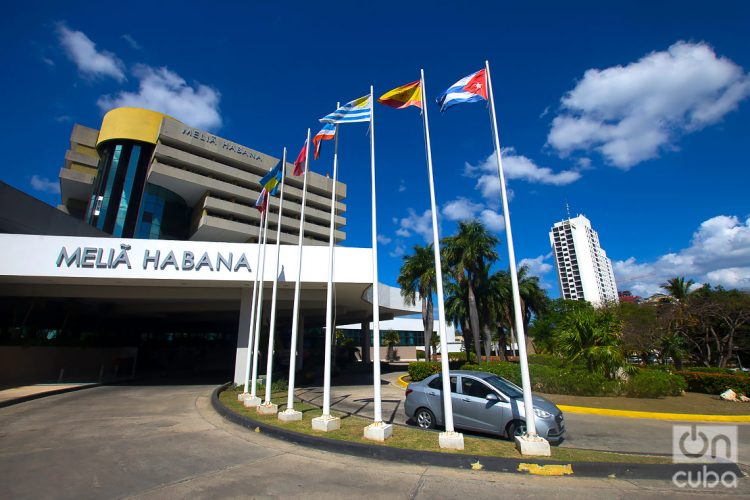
(636, 113)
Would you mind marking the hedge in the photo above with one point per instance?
(654, 384)
(715, 383)
(713, 369)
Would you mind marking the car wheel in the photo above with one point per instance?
(516, 428)
(425, 419)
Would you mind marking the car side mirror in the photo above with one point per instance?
(492, 397)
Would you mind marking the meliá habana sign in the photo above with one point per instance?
(158, 260)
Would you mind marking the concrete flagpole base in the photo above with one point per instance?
(534, 446)
(378, 431)
(326, 423)
(251, 402)
(243, 396)
(451, 440)
(267, 409)
(290, 415)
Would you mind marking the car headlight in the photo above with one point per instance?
(541, 413)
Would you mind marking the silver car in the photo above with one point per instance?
(482, 402)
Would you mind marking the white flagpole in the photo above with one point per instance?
(378, 417)
(272, 326)
(445, 368)
(329, 293)
(259, 312)
(290, 413)
(520, 334)
(252, 307)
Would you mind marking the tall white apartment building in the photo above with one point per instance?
(583, 269)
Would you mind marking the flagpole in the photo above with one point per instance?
(329, 293)
(378, 417)
(252, 309)
(290, 414)
(259, 312)
(528, 404)
(268, 407)
(452, 439)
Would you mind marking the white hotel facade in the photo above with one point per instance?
(584, 272)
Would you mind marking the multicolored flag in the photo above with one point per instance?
(272, 179)
(262, 202)
(327, 133)
(299, 163)
(404, 96)
(357, 110)
(470, 88)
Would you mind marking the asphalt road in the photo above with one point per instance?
(593, 432)
(167, 442)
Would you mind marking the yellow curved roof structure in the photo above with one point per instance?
(132, 124)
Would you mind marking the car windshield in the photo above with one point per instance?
(509, 389)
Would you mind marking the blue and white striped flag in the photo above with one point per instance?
(357, 110)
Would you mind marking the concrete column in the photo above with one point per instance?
(366, 341)
(300, 341)
(243, 334)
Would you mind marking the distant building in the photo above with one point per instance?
(626, 296)
(583, 270)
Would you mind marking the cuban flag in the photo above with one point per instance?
(470, 88)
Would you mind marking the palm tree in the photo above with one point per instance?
(417, 276)
(678, 288)
(457, 313)
(391, 339)
(593, 335)
(466, 254)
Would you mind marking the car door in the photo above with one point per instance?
(434, 395)
(474, 411)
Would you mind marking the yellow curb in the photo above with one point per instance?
(546, 470)
(401, 382)
(685, 417)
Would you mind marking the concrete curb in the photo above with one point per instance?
(401, 382)
(39, 395)
(467, 462)
(682, 417)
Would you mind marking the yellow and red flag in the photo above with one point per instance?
(404, 96)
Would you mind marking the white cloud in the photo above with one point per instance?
(515, 166)
(398, 251)
(461, 209)
(537, 266)
(167, 92)
(44, 185)
(631, 113)
(48, 61)
(416, 224)
(89, 61)
(493, 220)
(401, 186)
(383, 239)
(719, 253)
(132, 42)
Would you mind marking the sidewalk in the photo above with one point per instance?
(12, 395)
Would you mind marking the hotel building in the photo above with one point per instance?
(583, 270)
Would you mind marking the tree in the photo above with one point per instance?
(672, 346)
(595, 336)
(417, 276)
(719, 316)
(391, 339)
(678, 288)
(546, 323)
(466, 254)
(533, 299)
(457, 313)
(641, 328)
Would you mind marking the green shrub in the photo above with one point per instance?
(654, 384)
(715, 383)
(420, 370)
(546, 359)
(420, 354)
(461, 356)
(713, 369)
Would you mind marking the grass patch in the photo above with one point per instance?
(416, 439)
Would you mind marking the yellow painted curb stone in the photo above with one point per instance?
(401, 382)
(684, 417)
(546, 470)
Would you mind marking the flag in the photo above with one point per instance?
(357, 110)
(299, 163)
(262, 202)
(272, 179)
(470, 88)
(404, 96)
(326, 133)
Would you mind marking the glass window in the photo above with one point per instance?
(437, 383)
(509, 389)
(126, 191)
(473, 387)
(108, 189)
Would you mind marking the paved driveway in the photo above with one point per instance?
(167, 442)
